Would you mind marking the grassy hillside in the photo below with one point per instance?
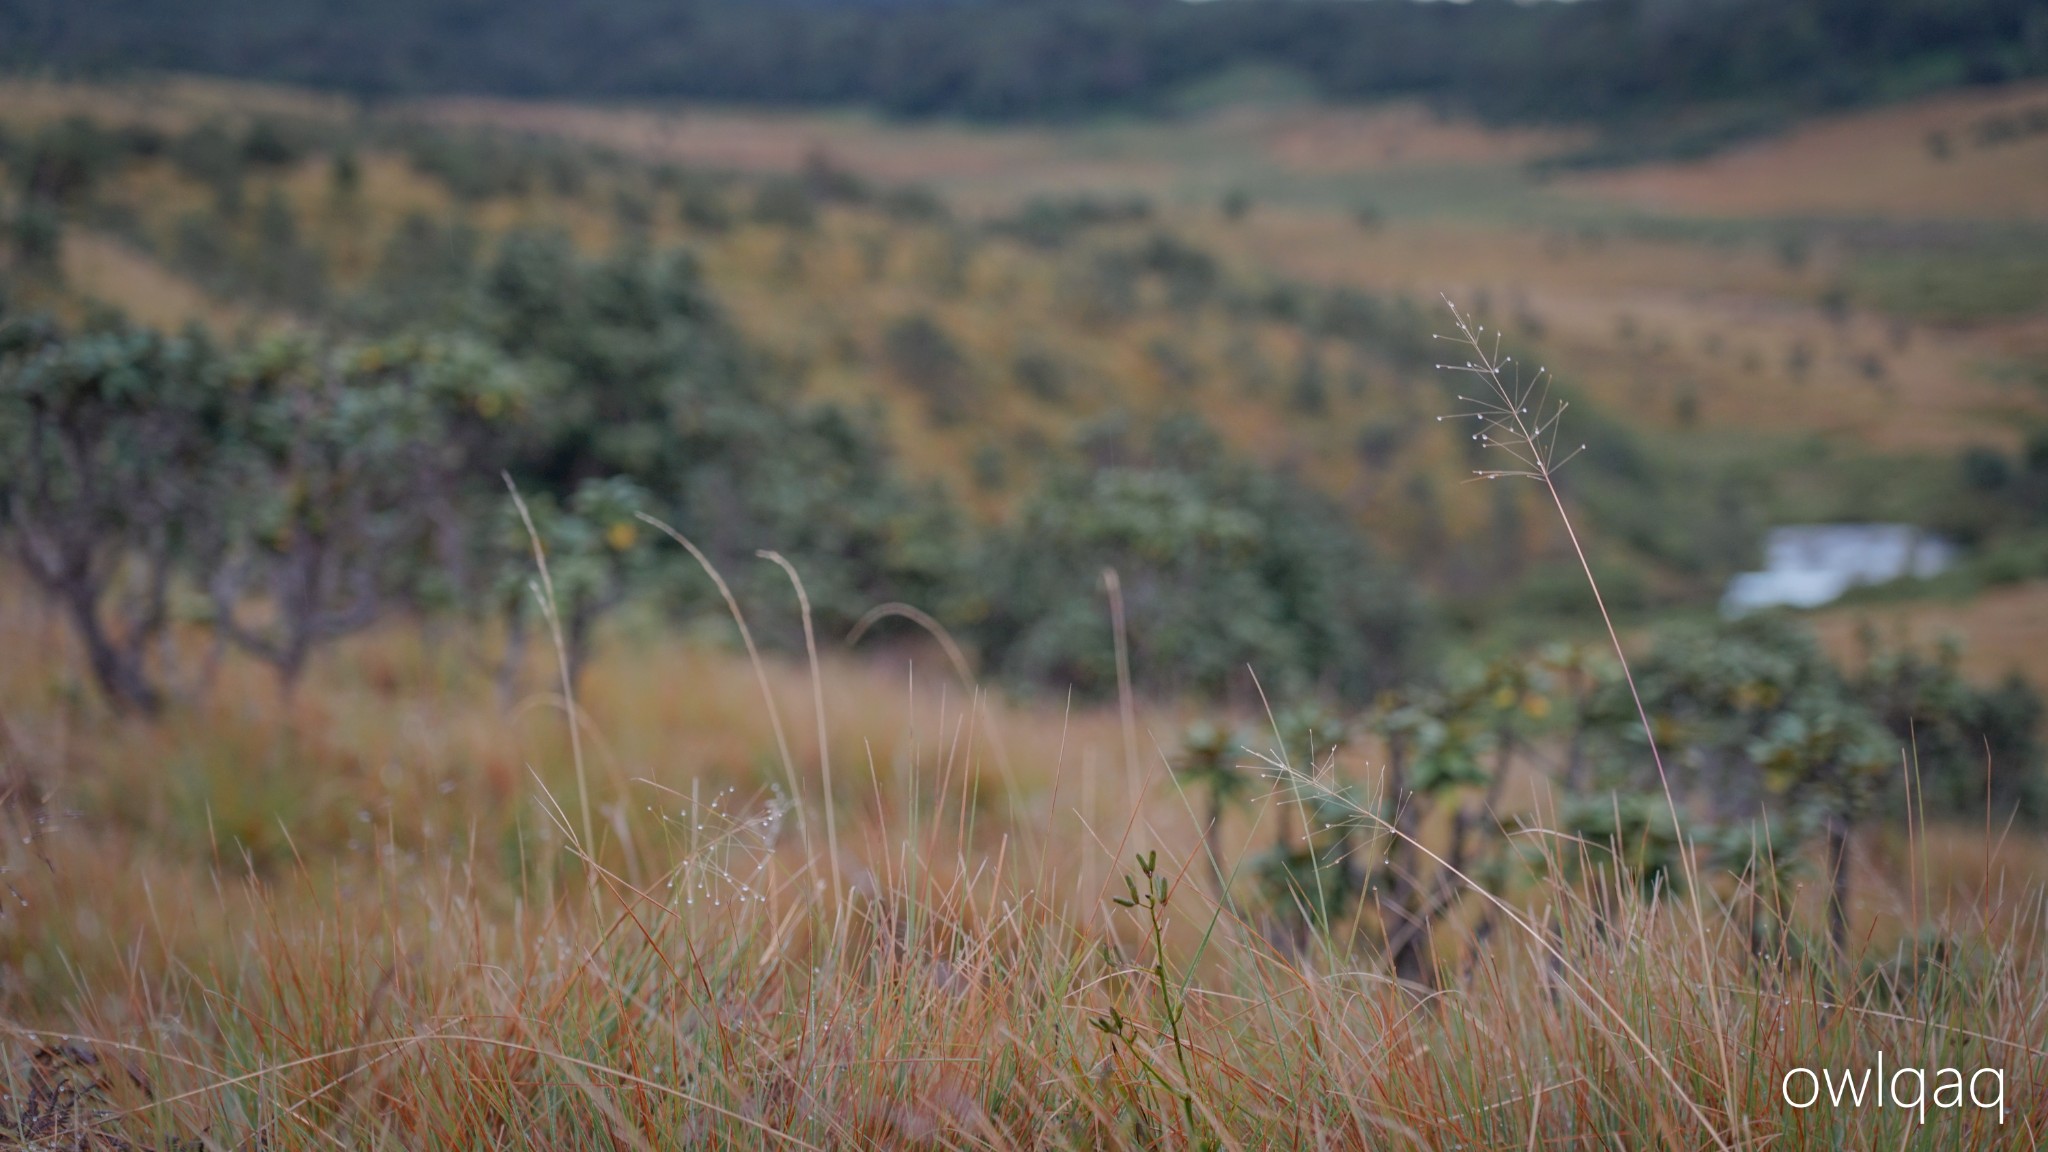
(1276, 272)
(1144, 731)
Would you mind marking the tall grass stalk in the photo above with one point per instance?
(1518, 417)
(551, 612)
(739, 619)
(803, 599)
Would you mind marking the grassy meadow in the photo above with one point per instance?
(755, 875)
(381, 914)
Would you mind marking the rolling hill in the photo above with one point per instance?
(1002, 300)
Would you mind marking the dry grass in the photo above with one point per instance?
(1803, 172)
(371, 921)
(170, 102)
(2000, 630)
(1719, 324)
(115, 273)
(994, 168)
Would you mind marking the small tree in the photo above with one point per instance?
(1827, 753)
(1763, 726)
(1313, 878)
(592, 554)
(1750, 852)
(1576, 680)
(336, 461)
(35, 239)
(104, 439)
(1223, 567)
(1977, 751)
(1436, 751)
(1620, 842)
(921, 354)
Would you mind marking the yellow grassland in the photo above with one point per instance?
(1876, 163)
(1999, 632)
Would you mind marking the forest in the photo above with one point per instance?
(1696, 72)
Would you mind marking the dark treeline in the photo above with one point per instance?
(1606, 60)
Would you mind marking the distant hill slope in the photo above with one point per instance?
(1614, 61)
(1050, 331)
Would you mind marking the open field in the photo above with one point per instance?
(1282, 148)
(1716, 311)
(1677, 328)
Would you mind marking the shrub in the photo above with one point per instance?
(36, 236)
(1041, 375)
(784, 202)
(1190, 274)
(210, 156)
(266, 145)
(1050, 223)
(924, 357)
(1963, 739)
(915, 205)
(1222, 567)
(103, 440)
(63, 163)
(704, 208)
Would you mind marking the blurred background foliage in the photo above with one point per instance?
(1739, 66)
(433, 352)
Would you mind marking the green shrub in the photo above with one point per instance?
(784, 202)
(1962, 738)
(1222, 567)
(922, 355)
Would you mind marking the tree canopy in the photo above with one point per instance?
(1606, 60)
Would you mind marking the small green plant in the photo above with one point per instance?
(1766, 878)
(1152, 901)
(1625, 840)
(1210, 760)
(1312, 880)
(591, 550)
